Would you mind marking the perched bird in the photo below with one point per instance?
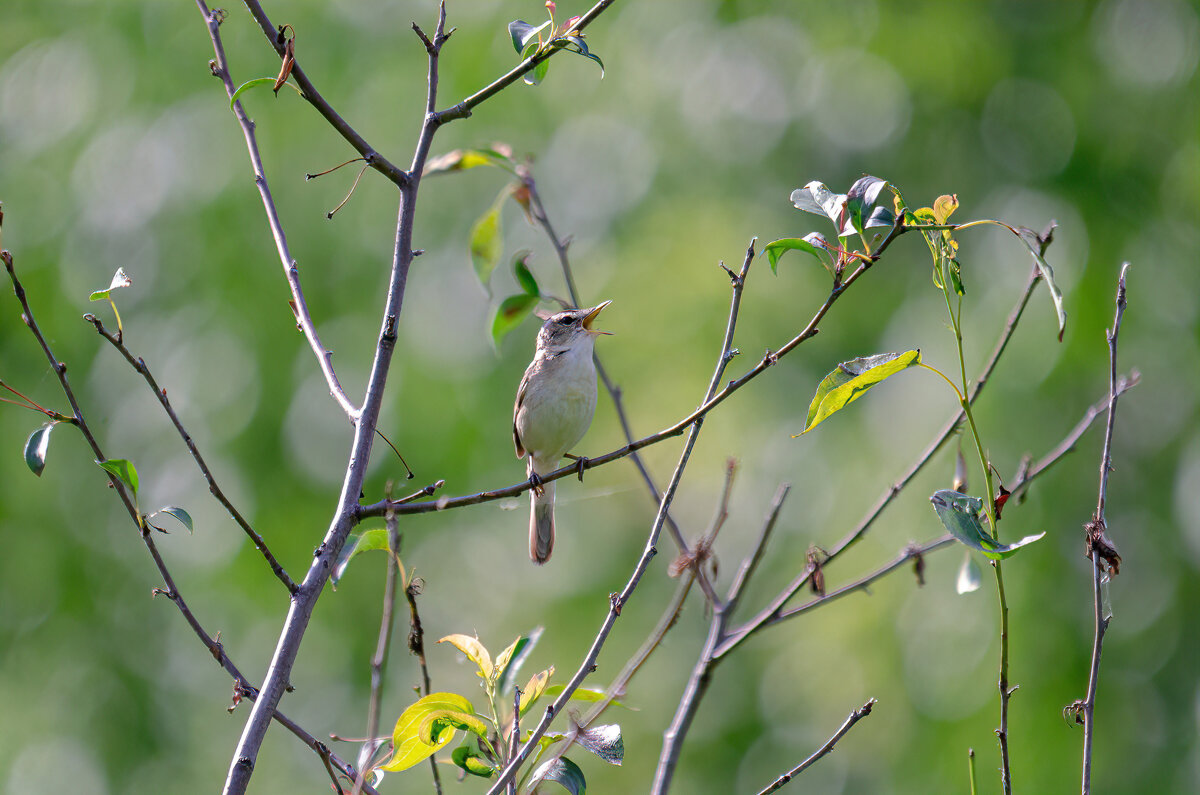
(555, 404)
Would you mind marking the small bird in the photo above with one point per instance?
(555, 404)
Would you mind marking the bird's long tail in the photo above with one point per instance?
(541, 523)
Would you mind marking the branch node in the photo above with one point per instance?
(617, 603)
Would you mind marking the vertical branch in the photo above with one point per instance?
(346, 515)
(382, 645)
(1100, 550)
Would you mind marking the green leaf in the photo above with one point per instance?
(520, 650)
(249, 84)
(563, 771)
(1048, 274)
(35, 448)
(534, 688)
(435, 722)
(581, 48)
(603, 741)
(813, 243)
(487, 240)
(123, 471)
(817, 199)
(510, 313)
(969, 577)
(524, 276)
(851, 380)
(179, 513)
(470, 760)
(357, 543)
(587, 694)
(535, 76)
(463, 159)
(475, 651)
(409, 747)
(961, 515)
(860, 200)
(955, 268)
(522, 33)
(119, 280)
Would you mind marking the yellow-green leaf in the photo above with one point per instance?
(406, 740)
(851, 380)
(475, 651)
(534, 688)
(435, 723)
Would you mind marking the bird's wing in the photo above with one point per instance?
(517, 410)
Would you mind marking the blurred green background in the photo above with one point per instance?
(117, 149)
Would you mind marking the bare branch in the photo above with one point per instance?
(1100, 550)
(377, 161)
(346, 515)
(171, 590)
(291, 269)
(854, 718)
(140, 366)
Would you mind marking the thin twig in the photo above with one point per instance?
(854, 718)
(1097, 532)
(377, 161)
(416, 647)
(464, 108)
(220, 69)
(618, 601)
(171, 591)
(382, 645)
(140, 366)
(701, 674)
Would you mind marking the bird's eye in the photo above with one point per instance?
(567, 320)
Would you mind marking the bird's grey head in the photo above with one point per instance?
(563, 329)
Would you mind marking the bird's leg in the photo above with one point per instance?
(535, 482)
(580, 462)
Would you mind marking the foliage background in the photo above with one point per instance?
(117, 150)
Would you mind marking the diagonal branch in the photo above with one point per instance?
(291, 270)
(854, 718)
(241, 685)
(139, 365)
(375, 160)
(769, 359)
(464, 108)
(538, 211)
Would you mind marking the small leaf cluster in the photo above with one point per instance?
(432, 722)
(531, 41)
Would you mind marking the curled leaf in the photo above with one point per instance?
(355, 545)
(123, 471)
(35, 448)
(562, 771)
(603, 741)
(534, 688)
(119, 280)
(409, 746)
(961, 515)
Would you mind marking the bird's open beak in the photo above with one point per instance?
(591, 315)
